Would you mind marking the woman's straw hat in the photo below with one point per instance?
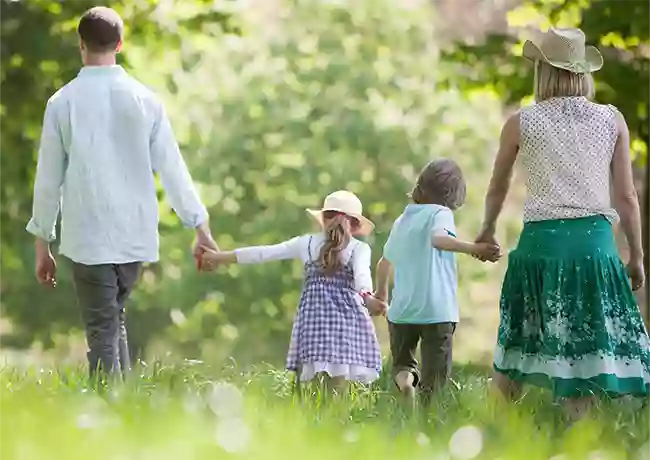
(346, 203)
(565, 49)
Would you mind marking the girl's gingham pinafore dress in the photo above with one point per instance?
(333, 331)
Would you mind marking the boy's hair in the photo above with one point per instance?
(101, 29)
(338, 233)
(440, 182)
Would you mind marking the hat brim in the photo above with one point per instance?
(593, 59)
(365, 225)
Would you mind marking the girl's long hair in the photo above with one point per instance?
(337, 228)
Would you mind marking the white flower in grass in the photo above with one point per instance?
(95, 414)
(192, 403)
(422, 439)
(466, 443)
(351, 436)
(226, 401)
(233, 435)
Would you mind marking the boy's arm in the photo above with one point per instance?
(384, 272)
(446, 242)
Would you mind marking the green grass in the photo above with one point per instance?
(175, 412)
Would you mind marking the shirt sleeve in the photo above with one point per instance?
(361, 259)
(443, 223)
(168, 162)
(50, 172)
(290, 249)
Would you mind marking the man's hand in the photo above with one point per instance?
(203, 240)
(45, 264)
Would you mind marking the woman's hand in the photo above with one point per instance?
(487, 236)
(636, 273)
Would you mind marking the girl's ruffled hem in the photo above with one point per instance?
(348, 371)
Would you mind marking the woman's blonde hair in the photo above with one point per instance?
(338, 233)
(552, 82)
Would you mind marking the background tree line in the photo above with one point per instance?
(276, 104)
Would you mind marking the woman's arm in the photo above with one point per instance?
(501, 173)
(625, 197)
(384, 274)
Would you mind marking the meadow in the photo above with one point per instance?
(190, 410)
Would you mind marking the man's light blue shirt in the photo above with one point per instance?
(425, 285)
(104, 136)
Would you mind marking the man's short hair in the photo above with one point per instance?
(101, 29)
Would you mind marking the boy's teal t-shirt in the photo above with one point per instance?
(425, 284)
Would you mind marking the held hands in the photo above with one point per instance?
(203, 243)
(375, 306)
(489, 252)
(487, 248)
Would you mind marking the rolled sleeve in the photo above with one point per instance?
(168, 162)
(50, 173)
(361, 259)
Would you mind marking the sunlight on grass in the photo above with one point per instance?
(193, 411)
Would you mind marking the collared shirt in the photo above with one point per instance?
(425, 287)
(104, 137)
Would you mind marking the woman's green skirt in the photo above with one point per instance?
(569, 320)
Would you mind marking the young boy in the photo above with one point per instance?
(420, 253)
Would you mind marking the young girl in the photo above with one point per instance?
(332, 333)
(420, 250)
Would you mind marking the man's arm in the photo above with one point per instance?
(50, 172)
(167, 161)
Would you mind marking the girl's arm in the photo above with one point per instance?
(501, 174)
(361, 256)
(383, 273)
(291, 249)
(363, 279)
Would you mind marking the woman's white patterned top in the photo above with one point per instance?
(566, 148)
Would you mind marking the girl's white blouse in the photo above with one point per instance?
(357, 252)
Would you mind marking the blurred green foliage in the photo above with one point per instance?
(275, 105)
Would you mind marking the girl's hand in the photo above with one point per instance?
(375, 306)
(211, 259)
(486, 236)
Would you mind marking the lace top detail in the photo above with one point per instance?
(566, 149)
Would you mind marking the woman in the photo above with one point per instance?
(568, 319)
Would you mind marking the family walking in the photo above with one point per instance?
(568, 317)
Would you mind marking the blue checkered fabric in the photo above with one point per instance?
(331, 325)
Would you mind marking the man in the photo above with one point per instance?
(104, 136)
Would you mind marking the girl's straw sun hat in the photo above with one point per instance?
(565, 49)
(346, 203)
